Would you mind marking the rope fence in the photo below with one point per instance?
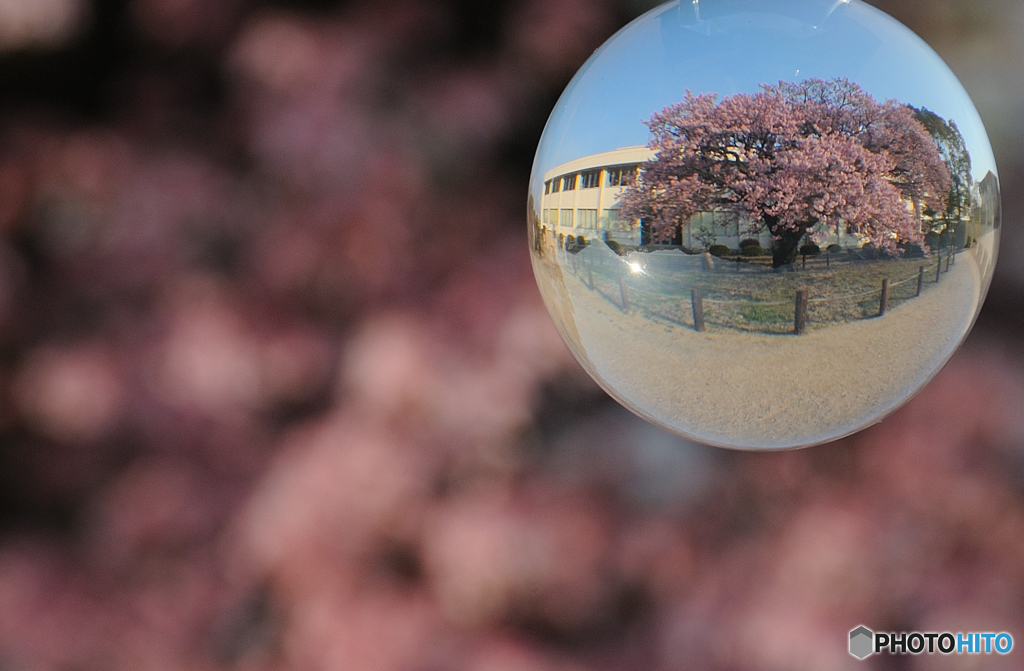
(695, 307)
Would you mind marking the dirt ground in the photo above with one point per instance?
(751, 390)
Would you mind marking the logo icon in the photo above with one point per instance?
(861, 640)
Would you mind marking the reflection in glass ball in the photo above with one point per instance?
(764, 224)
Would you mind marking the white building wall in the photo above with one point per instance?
(599, 200)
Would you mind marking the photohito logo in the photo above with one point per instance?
(864, 642)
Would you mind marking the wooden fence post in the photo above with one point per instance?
(697, 303)
(952, 257)
(623, 294)
(938, 268)
(883, 303)
(920, 280)
(800, 318)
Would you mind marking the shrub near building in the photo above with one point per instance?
(751, 247)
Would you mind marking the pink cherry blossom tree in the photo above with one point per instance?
(795, 158)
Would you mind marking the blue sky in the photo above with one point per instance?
(732, 46)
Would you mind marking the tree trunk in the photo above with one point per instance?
(786, 245)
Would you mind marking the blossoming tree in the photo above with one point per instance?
(792, 156)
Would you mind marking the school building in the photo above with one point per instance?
(581, 197)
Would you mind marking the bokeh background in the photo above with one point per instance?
(277, 390)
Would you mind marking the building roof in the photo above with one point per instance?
(623, 156)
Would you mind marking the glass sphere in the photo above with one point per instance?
(764, 224)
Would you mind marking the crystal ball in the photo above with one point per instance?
(764, 224)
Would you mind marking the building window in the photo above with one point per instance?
(556, 185)
(622, 176)
(544, 216)
(553, 217)
(611, 220)
(565, 219)
(547, 187)
(569, 182)
(591, 179)
(586, 218)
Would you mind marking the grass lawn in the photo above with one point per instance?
(749, 295)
